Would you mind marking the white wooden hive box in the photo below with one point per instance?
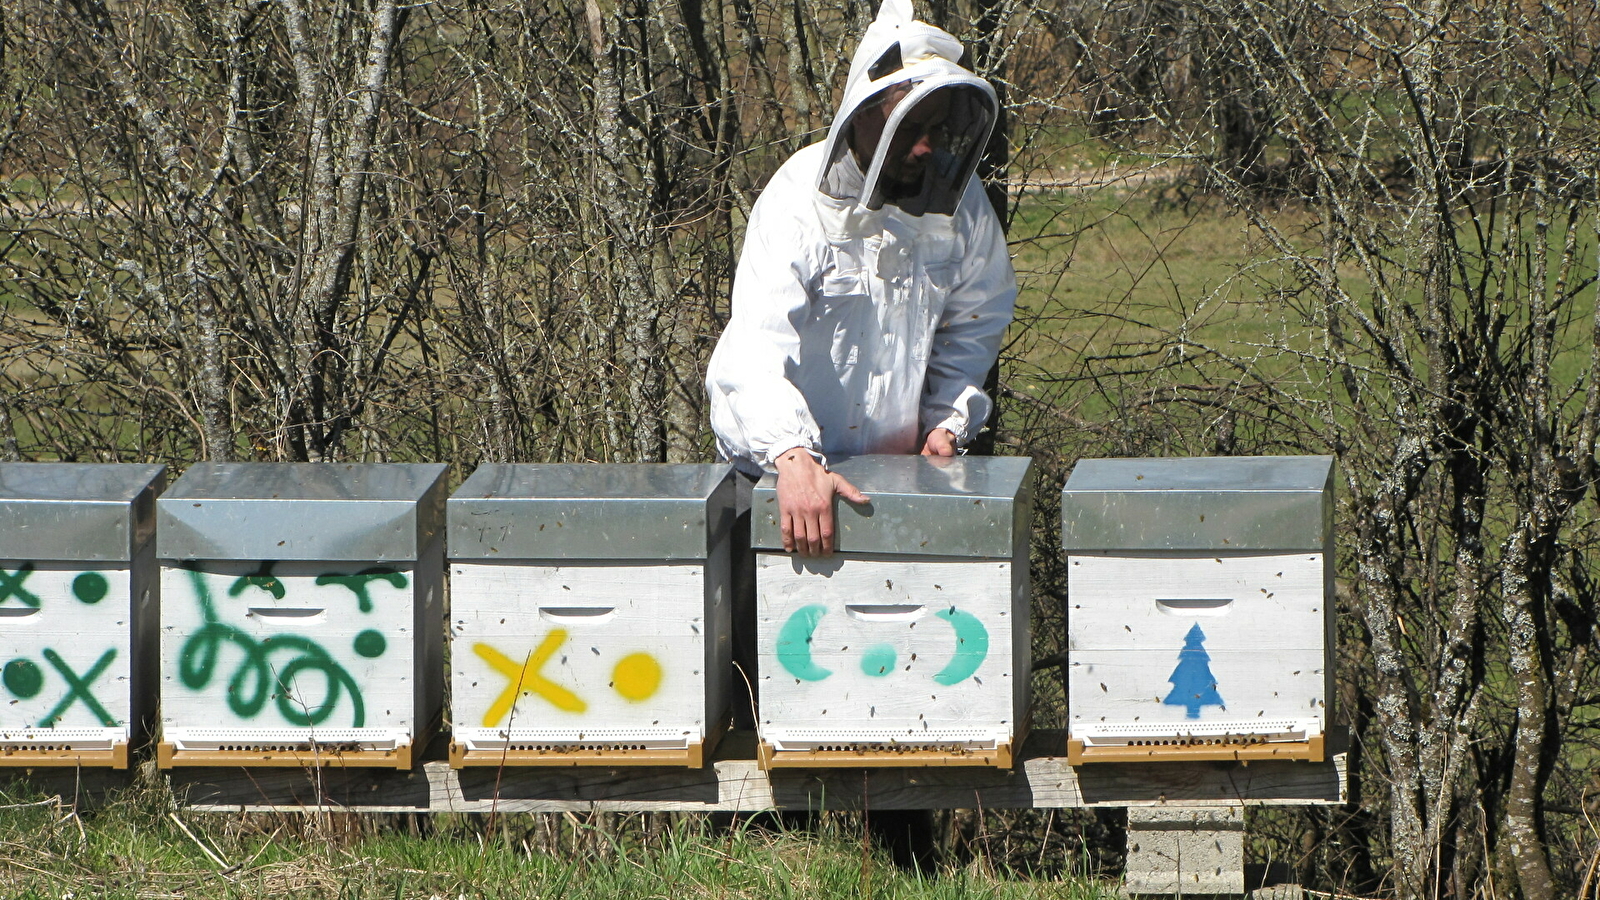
(590, 612)
(1199, 597)
(915, 632)
(304, 607)
(78, 608)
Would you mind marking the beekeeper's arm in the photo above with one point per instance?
(756, 411)
(967, 338)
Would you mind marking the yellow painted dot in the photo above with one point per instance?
(637, 676)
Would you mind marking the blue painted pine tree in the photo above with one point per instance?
(1193, 685)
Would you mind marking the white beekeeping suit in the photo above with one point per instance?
(872, 292)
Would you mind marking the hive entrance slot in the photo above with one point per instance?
(1195, 606)
(577, 615)
(286, 612)
(883, 612)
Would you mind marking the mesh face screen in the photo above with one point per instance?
(929, 149)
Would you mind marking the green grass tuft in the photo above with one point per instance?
(135, 847)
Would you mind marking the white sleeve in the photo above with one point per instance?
(757, 412)
(967, 338)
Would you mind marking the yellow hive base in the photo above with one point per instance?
(889, 756)
(297, 755)
(693, 756)
(291, 755)
(29, 756)
(1312, 750)
(168, 756)
(879, 756)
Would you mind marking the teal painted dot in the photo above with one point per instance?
(23, 678)
(371, 644)
(90, 587)
(878, 661)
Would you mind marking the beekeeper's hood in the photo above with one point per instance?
(910, 129)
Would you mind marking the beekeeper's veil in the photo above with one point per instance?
(930, 118)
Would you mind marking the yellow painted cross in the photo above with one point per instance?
(526, 677)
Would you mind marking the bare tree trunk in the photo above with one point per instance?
(1523, 815)
(198, 279)
(1525, 576)
(8, 435)
(629, 232)
(332, 219)
(801, 83)
(1394, 703)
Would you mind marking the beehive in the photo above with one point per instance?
(1200, 620)
(304, 613)
(78, 611)
(908, 646)
(590, 614)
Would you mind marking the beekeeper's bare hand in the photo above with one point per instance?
(805, 502)
(940, 442)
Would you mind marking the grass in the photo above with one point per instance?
(1155, 265)
(1125, 290)
(137, 848)
(1120, 281)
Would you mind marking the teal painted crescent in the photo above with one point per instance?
(794, 643)
(972, 646)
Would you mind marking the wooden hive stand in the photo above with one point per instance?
(1186, 817)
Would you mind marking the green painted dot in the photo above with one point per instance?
(90, 587)
(23, 678)
(878, 661)
(371, 644)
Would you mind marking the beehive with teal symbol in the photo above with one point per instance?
(910, 645)
(304, 613)
(78, 610)
(1199, 620)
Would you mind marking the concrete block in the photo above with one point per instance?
(1185, 851)
(1272, 881)
(1279, 892)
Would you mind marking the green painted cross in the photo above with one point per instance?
(11, 586)
(78, 688)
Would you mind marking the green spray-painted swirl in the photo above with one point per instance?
(359, 583)
(251, 684)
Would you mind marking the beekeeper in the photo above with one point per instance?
(874, 284)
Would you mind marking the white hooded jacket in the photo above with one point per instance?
(867, 310)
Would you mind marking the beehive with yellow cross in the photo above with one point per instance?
(590, 614)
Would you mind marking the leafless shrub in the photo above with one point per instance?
(468, 231)
(1431, 323)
